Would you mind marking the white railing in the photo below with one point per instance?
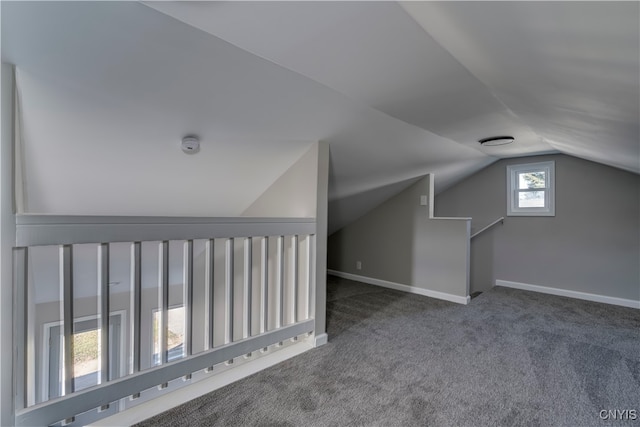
(486, 227)
(283, 309)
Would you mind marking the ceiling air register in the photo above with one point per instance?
(496, 140)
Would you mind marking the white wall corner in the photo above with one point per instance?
(431, 196)
(468, 266)
(322, 208)
(7, 241)
(570, 294)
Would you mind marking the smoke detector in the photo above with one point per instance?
(190, 144)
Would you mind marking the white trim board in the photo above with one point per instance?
(182, 395)
(400, 287)
(571, 294)
(321, 339)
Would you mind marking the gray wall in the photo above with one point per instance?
(293, 194)
(398, 242)
(592, 244)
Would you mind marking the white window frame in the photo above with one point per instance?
(46, 349)
(549, 208)
(155, 311)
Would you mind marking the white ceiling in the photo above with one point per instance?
(398, 91)
(371, 51)
(569, 70)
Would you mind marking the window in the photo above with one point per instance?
(530, 189)
(175, 334)
(86, 364)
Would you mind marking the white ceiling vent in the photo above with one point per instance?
(496, 140)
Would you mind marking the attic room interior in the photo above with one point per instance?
(319, 213)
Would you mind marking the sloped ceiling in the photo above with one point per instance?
(398, 91)
(569, 70)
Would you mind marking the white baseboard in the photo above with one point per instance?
(168, 401)
(321, 339)
(571, 294)
(400, 287)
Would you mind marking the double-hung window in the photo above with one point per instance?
(86, 364)
(530, 189)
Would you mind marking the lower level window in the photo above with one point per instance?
(86, 352)
(175, 334)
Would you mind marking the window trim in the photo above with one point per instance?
(549, 190)
(155, 311)
(84, 323)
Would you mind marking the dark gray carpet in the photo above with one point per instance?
(509, 358)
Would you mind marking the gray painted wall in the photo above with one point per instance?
(592, 244)
(293, 194)
(398, 242)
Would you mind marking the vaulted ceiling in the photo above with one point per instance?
(397, 89)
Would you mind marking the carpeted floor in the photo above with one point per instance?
(509, 358)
